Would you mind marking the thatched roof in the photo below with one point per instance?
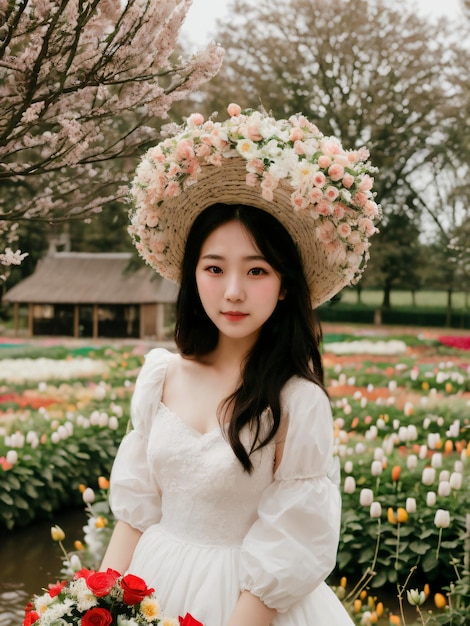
(88, 278)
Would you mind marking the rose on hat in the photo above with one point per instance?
(321, 193)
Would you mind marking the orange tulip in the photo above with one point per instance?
(103, 482)
(357, 606)
(394, 620)
(396, 471)
(379, 609)
(440, 600)
(448, 446)
(402, 515)
(391, 515)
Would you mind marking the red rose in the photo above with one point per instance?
(101, 583)
(188, 620)
(83, 573)
(97, 617)
(31, 617)
(56, 588)
(135, 589)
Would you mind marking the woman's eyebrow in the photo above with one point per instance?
(219, 257)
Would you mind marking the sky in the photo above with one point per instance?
(202, 15)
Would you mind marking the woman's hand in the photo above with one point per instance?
(250, 611)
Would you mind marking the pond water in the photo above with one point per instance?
(30, 560)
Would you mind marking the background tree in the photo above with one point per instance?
(363, 70)
(83, 85)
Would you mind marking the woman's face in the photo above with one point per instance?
(238, 288)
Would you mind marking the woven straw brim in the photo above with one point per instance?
(227, 184)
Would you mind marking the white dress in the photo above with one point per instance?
(210, 529)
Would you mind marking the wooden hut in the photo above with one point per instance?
(95, 295)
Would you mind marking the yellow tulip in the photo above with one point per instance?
(343, 582)
(379, 609)
(78, 545)
(357, 606)
(101, 522)
(57, 533)
(402, 515)
(394, 620)
(391, 515)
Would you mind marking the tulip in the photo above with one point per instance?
(412, 462)
(343, 582)
(357, 606)
(444, 475)
(442, 518)
(376, 468)
(402, 515)
(396, 471)
(57, 533)
(391, 516)
(349, 484)
(436, 460)
(410, 505)
(431, 498)
(366, 497)
(415, 597)
(394, 620)
(12, 457)
(443, 489)
(88, 495)
(348, 467)
(103, 482)
(440, 600)
(375, 510)
(455, 480)
(428, 476)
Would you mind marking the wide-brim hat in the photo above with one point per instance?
(321, 193)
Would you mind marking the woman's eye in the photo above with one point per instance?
(257, 271)
(213, 269)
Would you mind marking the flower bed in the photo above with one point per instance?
(402, 431)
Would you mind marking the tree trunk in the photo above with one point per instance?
(386, 298)
(449, 307)
(359, 294)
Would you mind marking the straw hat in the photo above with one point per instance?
(321, 193)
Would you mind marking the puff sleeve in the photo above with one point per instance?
(135, 496)
(291, 547)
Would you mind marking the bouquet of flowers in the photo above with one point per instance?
(100, 599)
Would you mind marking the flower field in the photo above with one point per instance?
(402, 429)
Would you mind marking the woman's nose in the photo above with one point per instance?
(234, 288)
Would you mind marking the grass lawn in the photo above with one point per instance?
(401, 298)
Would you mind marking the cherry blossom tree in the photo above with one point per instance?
(83, 87)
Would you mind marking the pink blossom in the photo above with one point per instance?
(255, 166)
(253, 132)
(339, 210)
(203, 150)
(371, 209)
(324, 208)
(172, 190)
(234, 110)
(299, 201)
(330, 147)
(344, 230)
(366, 183)
(215, 159)
(319, 179)
(316, 195)
(348, 180)
(296, 133)
(366, 226)
(336, 171)
(324, 161)
(184, 149)
(331, 193)
(360, 199)
(251, 179)
(195, 119)
(299, 147)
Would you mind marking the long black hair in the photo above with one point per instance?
(288, 342)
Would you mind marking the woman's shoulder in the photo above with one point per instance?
(299, 389)
(154, 367)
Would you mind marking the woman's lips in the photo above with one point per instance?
(234, 316)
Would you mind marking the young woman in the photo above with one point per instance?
(224, 488)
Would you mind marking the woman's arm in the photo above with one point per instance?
(121, 547)
(250, 611)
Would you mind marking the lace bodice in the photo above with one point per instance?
(207, 497)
